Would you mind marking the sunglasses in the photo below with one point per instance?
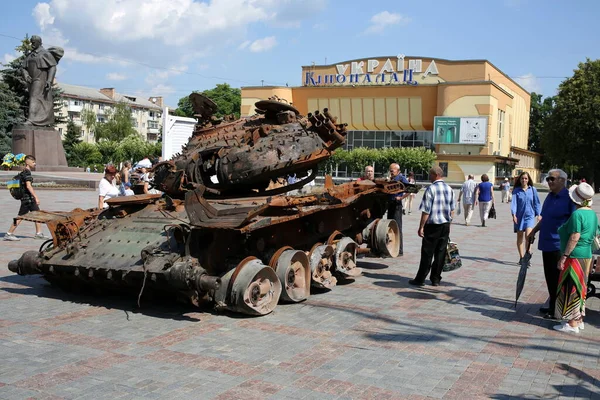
(550, 179)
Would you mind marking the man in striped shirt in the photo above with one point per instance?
(437, 209)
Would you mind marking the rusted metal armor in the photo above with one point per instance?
(219, 234)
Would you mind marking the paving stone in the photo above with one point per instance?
(376, 337)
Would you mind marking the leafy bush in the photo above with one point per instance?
(409, 158)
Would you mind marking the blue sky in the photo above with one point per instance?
(171, 47)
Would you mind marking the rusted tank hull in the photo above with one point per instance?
(159, 247)
(243, 254)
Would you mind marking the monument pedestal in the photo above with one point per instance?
(45, 144)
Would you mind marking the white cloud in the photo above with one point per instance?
(384, 19)
(115, 76)
(162, 90)
(171, 28)
(530, 82)
(244, 45)
(8, 58)
(263, 44)
(160, 76)
(41, 13)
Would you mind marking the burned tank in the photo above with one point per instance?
(224, 231)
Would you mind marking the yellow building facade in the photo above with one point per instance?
(469, 112)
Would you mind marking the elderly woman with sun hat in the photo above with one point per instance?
(576, 238)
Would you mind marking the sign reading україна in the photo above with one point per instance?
(371, 72)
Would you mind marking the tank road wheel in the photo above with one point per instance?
(251, 288)
(293, 270)
(387, 238)
(321, 266)
(345, 258)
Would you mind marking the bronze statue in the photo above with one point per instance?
(39, 69)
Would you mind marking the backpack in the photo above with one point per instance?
(15, 187)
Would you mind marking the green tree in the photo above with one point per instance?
(134, 148)
(227, 99)
(540, 112)
(88, 119)
(184, 107)
(118, 125)
(110, 151)
(72, 138)
(85, 154)
(572, 136)
(10, 115)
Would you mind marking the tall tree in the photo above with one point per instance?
(88, 119)
(10, 115)
(118, 126)
(572, 135)
(72, 138)
(541, 109)
(227, 99)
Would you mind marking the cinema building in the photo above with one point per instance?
(469, 112)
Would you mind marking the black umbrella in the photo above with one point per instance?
(525, 263)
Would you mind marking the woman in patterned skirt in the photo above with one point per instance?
(576, 238)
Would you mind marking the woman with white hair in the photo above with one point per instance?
(576, 237)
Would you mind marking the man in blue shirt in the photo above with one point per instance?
(395, 201)
(437, 209)
(556, 210)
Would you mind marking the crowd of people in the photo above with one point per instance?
(121, 183)
(566, 224)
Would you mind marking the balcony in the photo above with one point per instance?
(72, 107)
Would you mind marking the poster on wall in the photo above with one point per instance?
(460, 130)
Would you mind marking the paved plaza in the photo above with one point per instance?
(375, 338)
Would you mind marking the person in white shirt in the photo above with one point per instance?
(106, 188)
(468, 191)
(144, 163)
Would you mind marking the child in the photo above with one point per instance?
(29, 201)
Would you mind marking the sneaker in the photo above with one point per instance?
(565, 327)
(11, 237)
(415, 282)
(40, 236)
(435, 283)
(483, 223)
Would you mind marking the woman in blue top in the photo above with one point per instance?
(485, 197)
(525, 208)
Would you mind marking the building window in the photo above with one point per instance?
(381, 139)
(77, 103)
(101, 106)
(152, 124)
(151, 114)
(501, 115)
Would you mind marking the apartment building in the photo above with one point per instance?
(146, 114)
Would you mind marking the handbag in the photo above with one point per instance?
(596, 244)
(492, 213)
(453, 260)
